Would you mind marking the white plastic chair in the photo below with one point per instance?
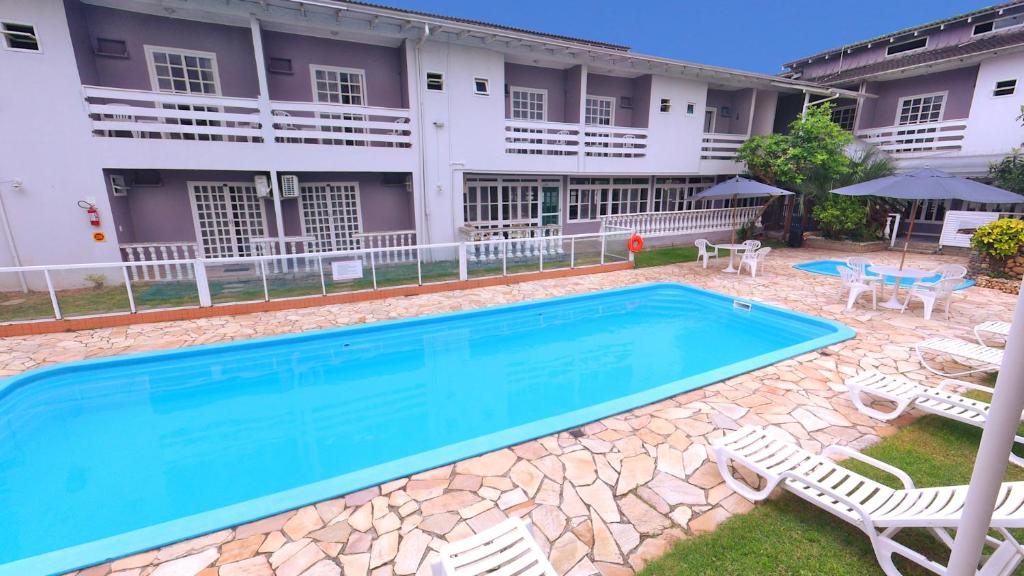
(705, 250)
(1000, 329)
(860, 265)
(754, 259)
(751, 245)
(930, 294)
(507, 549)
(876, 509)
(853, 283)
(975, 356)
(904, 393)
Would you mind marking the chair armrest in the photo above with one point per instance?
(902, 476)
(969, 385)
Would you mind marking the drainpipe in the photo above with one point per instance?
(11, 245)
(425, 205)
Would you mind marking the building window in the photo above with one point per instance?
(182, 71)
(501, 202)
(599, 111)
(435, 81)
(330, 213)
(226, 217)
(710, 113)
(1008, 22)
(582, 203)
(920, 109)
(666, 105)
(675, 194)
(1005, 87)
(903, 47)
(528, 104)
(111, 48)
(691, 108)
(20, 37)
(844, 115)
(338, 85)
(280, 65)
(481, 86)
(590, 198)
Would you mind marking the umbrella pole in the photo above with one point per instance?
(910, 230)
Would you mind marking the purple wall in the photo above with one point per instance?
(881, 111)
(233, 46)
(81, 42)
(642, 101)
(615, 87)
(164, 214)
(382, 66)
(553, 80)
(574, 79)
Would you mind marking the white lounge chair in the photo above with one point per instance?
(705, 250)
(985, 359)
(1001, 329)
(881, 512)
(937, 400)
(507, 549)
(857, 286)
(931, 294)
(754, 259)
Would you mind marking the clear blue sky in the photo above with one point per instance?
(755, 35)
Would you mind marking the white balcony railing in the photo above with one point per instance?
(684, 222)
(512, 242)
(716, 146)
(917, 139)
(341, 125)
(123, 113)
(615, 142)
(544, 138)
(390, 239)
(159, 252)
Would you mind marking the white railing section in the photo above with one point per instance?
(546, 138)
(716, 146)
(159, 253)
(515, 242)
(124, 113)
(341, 125)
(917, 139)
(892, 227)
(615, 142)
(684, 222)
(375, 258)
(403, 239)
(270, 246)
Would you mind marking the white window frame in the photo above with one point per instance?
(853, 117)
(994, 29)
(332, 223)
(506, 187)
(151, 65)
(665, 105)
(942, 111)
(996, 84)
(593, 194)
(511, 102)
(911, 51)
(190, 185)
(487, 86)
(340, 70)
(610, 100)
(35, 34)
(714, 118)
(691, 108)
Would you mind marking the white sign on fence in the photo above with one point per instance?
(346, 270)
(959, 226)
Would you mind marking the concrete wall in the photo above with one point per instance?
(993, 127)
(554, 80)
(958, 84)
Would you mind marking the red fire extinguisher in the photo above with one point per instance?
(91, 212)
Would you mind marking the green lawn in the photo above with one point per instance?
(790, 536)
(674, 254)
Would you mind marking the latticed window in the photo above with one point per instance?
(675, 194)
(497, 201)
(844, 116)
(600, 111)
(330, 213)
(183, 71)
(921, 109)
(227, 217)
(625, 196)
(529, 104)
(338, 86)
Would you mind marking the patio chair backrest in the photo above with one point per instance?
(763, 252)
(951, 271)
(752, 245)
(847, 276)
(946, 286)
(702, 246)
(859, 264)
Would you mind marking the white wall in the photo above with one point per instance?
(992, 127)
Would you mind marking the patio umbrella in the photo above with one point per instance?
(928, 184)
(738, 187)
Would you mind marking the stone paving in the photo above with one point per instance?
(605, 502)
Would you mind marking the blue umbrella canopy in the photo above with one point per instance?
(930, 184)
(738, 187)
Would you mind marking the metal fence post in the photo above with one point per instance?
(202, 283)
(603, 242)
(419, 266)
(540, 256)
(504, 258)
(572, 252)
(463, 265)
(323, 281)
(373, 270)
(128, 286)
(53, 295)
(263, 274)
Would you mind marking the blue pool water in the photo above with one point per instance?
(831, 268)
(106, 457)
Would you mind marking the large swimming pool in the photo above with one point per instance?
(107, 457)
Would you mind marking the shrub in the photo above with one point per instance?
(842, 216)
(1000, 239)
(97, 280)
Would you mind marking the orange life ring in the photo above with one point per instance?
(635, 243)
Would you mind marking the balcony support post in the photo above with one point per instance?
(263, 99)
(581, 156)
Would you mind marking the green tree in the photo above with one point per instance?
(1008, 173)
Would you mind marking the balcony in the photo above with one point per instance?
(563, 139)
(917, 140)
(336, 124)
(716, 146)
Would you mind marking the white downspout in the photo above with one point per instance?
(422, 130)
(990, 463)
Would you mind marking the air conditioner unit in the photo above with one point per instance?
(289, 186)
(118, 185)
(262, 186)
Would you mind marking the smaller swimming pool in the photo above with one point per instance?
(831, 268)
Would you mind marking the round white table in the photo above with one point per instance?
(732, 248)
(893, 303)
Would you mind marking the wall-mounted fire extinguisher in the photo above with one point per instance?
(91, 212)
